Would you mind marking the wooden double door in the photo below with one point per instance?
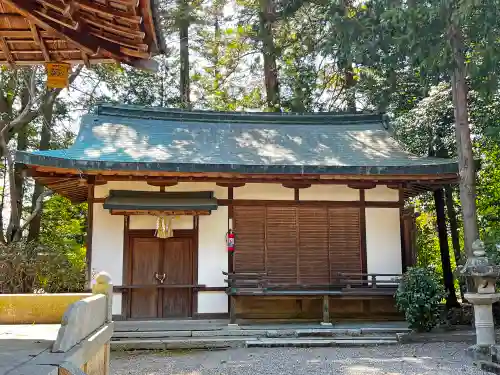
(161, 275)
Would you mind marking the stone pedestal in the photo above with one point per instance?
(483, 316)
(483, 276)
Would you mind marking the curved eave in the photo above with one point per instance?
(435, 169)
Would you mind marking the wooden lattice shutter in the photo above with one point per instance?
(313, 245)
(282, 241)
(344, 240)
(249, 228)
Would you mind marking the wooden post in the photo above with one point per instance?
(90, 225)
(362, 229)
(230, 256)
(232, 311)
(326, 311)
(404, 261)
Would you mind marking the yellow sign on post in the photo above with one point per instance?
(57, 75)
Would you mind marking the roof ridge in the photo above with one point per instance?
(161, 113)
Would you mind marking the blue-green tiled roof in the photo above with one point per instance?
(138, 138)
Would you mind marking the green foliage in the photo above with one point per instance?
(427, 129)
(63, 224)
(32, 268)
(428, 254)
(419, 296)
(489, 196)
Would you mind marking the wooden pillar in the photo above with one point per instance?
(362, 229)
(451, 299)
(90, 225)
(230, 255)
(127, 270)
(404, 261)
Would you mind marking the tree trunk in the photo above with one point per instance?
(269, 55)
(455, 238)
(345, 63)
(18, 183)
(184, 53)
(5, 173)
(45, 136)
(451, 297)
(464, 143)
(350, 82)
(452, 217)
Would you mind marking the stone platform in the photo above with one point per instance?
(20, 344)
(209, 334)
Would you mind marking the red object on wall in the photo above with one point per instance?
(230, 240)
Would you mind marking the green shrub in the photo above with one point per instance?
(34, 268)
(419, 296)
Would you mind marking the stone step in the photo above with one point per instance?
(318, 342)
(273, 333)
(165, 334)
(180, 343)
(218, 342)
(170, 325)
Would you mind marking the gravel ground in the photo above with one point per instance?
(431, 359)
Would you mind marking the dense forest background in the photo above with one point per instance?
(426, 64)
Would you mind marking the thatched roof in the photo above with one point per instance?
(78, 31)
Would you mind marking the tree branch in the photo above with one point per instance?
(38, 208)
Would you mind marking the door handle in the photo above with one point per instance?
(160, 278)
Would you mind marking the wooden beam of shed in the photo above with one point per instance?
(114, 28)
(39, 41)
(86, 60)
(104, 11)
(58, 18)
(85, 41)
(6, 51)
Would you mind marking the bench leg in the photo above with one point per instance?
(326, 311)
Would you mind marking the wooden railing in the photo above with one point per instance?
(349, 284)
(259, 282)
(354, 283)
(194, 287)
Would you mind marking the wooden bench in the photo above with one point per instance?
(346, 284)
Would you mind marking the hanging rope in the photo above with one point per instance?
(164, 227)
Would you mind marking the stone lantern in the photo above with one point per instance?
(484, 275)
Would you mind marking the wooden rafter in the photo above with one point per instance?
(6, 51)
(77, 31)
(39, 41)
(86, 60)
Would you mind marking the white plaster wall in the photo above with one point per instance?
(264, 191)
(219, 192)
(212, 302)
(107, 248)
(329, 193)
(383, 240)
(212, 260)
(382, 193)
(102, 191)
